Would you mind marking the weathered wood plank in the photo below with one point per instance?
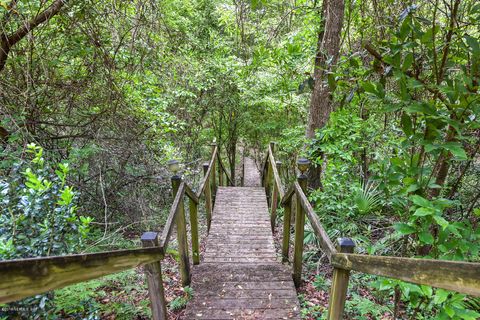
(243, 313)
(325, 242)
(240, 268)
(153, 272)
(167, 230)
(288, 196)
(276, 175)
(191, 194)
(26, 277)
(204, 181)
(458, 276)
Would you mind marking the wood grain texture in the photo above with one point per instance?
(276, 175)
(204, 182)
(325, 242)
(153, 273)
(167, 230)
(458, 276)
(240, 276)
(26, 277)
(287, 198)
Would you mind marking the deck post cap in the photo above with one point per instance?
(150, 237)
(345, 245)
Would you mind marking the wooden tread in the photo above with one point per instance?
(240, 276)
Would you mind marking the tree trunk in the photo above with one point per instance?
(328, 48)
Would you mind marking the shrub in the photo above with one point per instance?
(38, 217)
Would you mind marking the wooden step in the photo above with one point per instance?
(240, 275)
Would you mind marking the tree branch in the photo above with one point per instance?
(8, 41)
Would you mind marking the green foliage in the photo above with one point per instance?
(39, 217)
(367, 198)
(364, 308)
(116, 294)
(39, 214)
(180, 302)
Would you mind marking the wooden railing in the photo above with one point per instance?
(463, 277)
(26, 277)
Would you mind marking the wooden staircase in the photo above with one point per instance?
(241, 276)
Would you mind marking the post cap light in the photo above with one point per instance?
(173, 166)
(303, 164)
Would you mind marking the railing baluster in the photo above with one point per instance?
(338, 291)
(181, 235)
(208, 197)
(286, 231)
(275, 198)
(213, 175)
(268, 182)
(153, 272)
(273, 214)
(194, 227)
(299, 234)
(220, 173)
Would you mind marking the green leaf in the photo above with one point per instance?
(427, 290)
(456, 149)
(404, 228)
(449, 311)
(473, 44)
(405, 29)
(441, 222)
(406, 124)
(423, 212)
(466, 314)
(426, 237)
(421, 201)
(369, 87)
(407, 62)
(440, 296)
(421, 108)
(332, 83)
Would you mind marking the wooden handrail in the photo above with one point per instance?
(265, 166)
(276, 176)
(206, 177)
(288, 196)
(229, 180)
(191, 194)
(463, 277)
(167, 230)
(320, 233)
(22, 278)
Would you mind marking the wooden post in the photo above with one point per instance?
(338, 291)
(299, 235)
(153, 272)
(268, 176)
(242, 182)
(286, 231)
(194, 226)
(214, 166)
(220, 173)
(181, 235)
(273, 213)
(275, 198)
(208, 197)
